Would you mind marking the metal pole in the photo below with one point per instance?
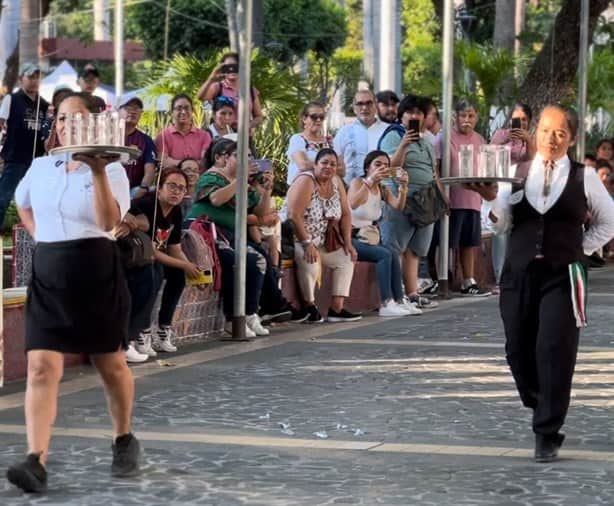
(119, 50)
(582, 80)
(387, 63)
(167, 21)
(447, 72)
(244, 12)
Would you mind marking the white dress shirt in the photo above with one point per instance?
(353, 142)
(599, 201)
(62, 201)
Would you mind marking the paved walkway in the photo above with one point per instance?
(417, 411)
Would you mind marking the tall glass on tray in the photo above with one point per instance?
(504, 161)
(466, 166)
(487, 161)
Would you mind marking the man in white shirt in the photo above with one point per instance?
(543, 280)
(355, 140)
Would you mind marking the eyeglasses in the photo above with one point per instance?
(368, 103)
(316, 117)
(176, 188)
(179, 108)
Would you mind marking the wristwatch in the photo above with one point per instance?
(144, 186)
(306, 242)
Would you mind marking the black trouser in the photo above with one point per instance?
(541, 340)
(175, 283)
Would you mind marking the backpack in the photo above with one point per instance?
(393, 127)
(206, 230)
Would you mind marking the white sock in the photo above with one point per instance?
(467, 283)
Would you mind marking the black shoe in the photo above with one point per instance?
(342, 316)
(547, 447)
(431, 291)
(475, 291)
(125, 457)
(29, 475)
(313, 315)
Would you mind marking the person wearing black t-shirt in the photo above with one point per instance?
(89, 80)
(165, 218)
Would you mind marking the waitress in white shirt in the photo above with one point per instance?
(542, 284)
(78, 301)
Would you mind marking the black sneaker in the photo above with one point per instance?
(475, 291)
(431, 290)
(313, 315)
(125, 457)
(29, 475)
(342, 316)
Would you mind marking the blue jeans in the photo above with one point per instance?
(143, 283)
(11, 175)
(387, 267)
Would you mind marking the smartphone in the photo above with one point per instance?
(230, 68)
(264, 165)
(414, 124)
(516, 123)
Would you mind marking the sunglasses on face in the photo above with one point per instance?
(368, 103)
(316, 117)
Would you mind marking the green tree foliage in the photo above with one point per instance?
(295, 27)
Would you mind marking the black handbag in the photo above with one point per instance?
(136, 249)
(426, 205)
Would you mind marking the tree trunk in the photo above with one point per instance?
(556, 65)
(505, 16)
(258, 23)
(233, 26)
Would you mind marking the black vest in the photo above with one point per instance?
(22, 127)
(555, 237)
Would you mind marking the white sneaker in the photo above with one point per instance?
(409, 307)
(133, 356)
(248, 332)
(143, 343)
(253, 322)
(392, 309)
(163, 340)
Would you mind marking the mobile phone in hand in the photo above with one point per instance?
(264, 165)
(516, 123)
(230, 68)
(414, 125)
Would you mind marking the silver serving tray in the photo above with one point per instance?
(125, 153)
(469, 180)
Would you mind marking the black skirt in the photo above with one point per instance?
(78, 299)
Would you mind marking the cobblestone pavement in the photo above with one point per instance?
(418, 411)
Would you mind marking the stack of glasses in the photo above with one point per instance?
(103, 129)
(493, 161)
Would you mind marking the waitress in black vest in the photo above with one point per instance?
(542, 283)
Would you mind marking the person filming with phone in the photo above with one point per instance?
(518, 136)
(224, 82)
(407, 149)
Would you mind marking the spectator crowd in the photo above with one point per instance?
(349, 199)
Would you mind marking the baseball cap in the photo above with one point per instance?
(28, 69)
(387, 97)
(90, 68)
(132, 100)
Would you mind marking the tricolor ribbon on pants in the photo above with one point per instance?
(577, 277)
